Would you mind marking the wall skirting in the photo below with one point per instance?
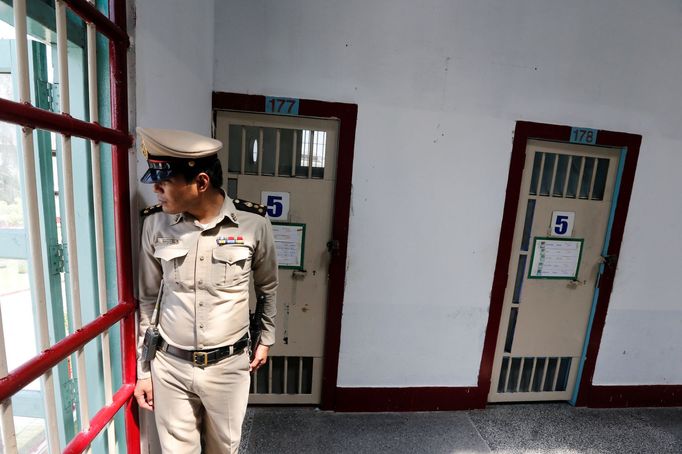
(409, 399)
(469, 398)
(635, 396)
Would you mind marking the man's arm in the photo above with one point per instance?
(150, 275)
(265, 282)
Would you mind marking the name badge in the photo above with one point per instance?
(167, 241)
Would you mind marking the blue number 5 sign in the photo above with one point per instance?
(277, 203)
(562, 223)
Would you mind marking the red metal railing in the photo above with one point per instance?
(26, 115)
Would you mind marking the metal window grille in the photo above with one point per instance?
(30, 118)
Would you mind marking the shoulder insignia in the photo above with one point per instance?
(150, 210)
(245, 205)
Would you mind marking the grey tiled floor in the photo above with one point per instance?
(536, 428)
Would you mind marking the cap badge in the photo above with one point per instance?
(145, 152)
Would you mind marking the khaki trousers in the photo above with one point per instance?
(189, 399)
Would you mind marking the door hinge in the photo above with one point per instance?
(58, 258)
(50, 93)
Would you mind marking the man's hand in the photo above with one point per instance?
(260, 358)
(144, 394)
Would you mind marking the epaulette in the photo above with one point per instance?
(150, 210)
(245, 205)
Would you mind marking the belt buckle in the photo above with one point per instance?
(200, 359)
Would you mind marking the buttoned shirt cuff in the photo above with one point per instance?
(143, 371)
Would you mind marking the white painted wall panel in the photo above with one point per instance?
(173, 46)
(439, 86)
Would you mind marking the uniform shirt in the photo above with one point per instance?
(206, 272)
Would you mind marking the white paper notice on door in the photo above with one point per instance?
(555, 259)
(289, 242)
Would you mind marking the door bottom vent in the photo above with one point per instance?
(284, 375)
(528, 374)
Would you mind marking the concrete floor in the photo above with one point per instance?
(529, 428)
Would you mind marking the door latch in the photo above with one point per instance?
(610, 261)
(333, 246)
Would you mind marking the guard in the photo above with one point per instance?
(199, 250)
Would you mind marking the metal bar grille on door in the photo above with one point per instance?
(527, 374)
(280, 152)
(570, 176)
(284, 375)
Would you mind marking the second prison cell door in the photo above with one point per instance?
(562, 219)
(291, 161)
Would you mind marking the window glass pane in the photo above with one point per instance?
(503, 375)
(572, 187)
(520, 273)
(600, 179)
(269, 149)
(286, 151)
(587, 178)
(235, 149)
(514, 371)
(252, 143)
(528, 224)
(6, 81)
(526, 374)
(511, 328)
(547, 173)
(77, 66)
(11, 214)
(560, 178)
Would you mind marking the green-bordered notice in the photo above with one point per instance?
(555, 258)
(289, 243)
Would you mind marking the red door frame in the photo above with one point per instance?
(347, 115)
(528, 130)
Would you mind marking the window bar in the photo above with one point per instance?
(311, 145)
(269, 364)
(9, 438)
(544, 374)
(37, 267)
(556, 374)
(277, 139)
(580, 177)
(506, 375)
(243, 150)
(541, 173)
(260, 151)
(569, 160)
(532, 375)
(285, 388)
(299, 390)
(293, 154)
(70, 212)
(99, 225)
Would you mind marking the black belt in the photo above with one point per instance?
(205, 357)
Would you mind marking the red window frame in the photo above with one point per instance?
(114, 28)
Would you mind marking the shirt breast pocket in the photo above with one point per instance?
(230, 265)
(172, 259)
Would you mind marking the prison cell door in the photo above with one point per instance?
(289, 164)
(561, 226)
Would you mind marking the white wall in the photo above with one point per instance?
(173, 46)
(439, 86)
